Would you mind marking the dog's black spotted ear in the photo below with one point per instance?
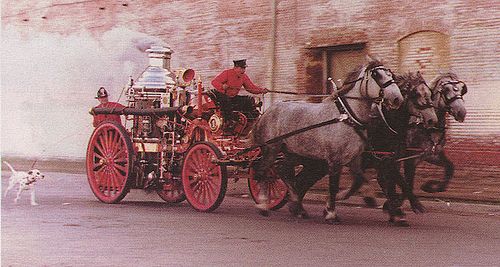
(30, 172)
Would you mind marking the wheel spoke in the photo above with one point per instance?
(109, 144)
(121, 168)
(195, 185)
(211, 190)
(196, 159)
(99, 148)
(119, 150)
(97, 167)
(203, 198)
(116, 141)
(104, 141)
(118, 178)
(192, 168)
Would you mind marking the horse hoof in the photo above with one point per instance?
(433, 186)
(264, 213)
(370, 202)
(331, 217)
(399, 222)
(297, 211)
(303, 215)
(385, 207)
(334, 221)
(417, 207)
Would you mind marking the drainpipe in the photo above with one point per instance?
(273, 46)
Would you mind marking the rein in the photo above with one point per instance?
(292, 133)
(346, 114)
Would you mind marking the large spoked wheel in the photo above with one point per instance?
(109, 162)
(204, 181)
(278, 191)
(172, 192)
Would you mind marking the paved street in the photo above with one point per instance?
(71, 228)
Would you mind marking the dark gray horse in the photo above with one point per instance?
(447, 95)
(416, 114)
(447, 91)
(334, 145)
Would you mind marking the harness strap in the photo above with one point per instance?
(379, 107)
(284, 136)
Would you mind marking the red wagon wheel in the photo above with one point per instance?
(278, 191)
(173, 192)
(203, 180)
(109, 162)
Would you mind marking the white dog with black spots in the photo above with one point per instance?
(26, 181)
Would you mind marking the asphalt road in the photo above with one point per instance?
(71, 228)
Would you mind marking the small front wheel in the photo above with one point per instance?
(203, 180)
(172, 192)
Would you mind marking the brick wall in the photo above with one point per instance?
(207, 35)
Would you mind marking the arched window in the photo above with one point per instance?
(424, 51)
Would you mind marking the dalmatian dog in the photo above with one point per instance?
(26, 181)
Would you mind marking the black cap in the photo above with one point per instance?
(242, 63)
(101, 93)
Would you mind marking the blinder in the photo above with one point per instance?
(455, 87)
(374, 73)
(376, 76)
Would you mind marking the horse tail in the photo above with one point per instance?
(10, 167)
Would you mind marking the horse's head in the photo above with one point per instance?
(447, 94)
(380, 84)
(418, 97)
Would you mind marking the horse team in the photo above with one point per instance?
(375, 120)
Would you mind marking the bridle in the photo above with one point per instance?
(344, 107)
(442, 95)
(427, 105)
(373, 73)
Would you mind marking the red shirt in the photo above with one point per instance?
(107, 117)
(235, 81)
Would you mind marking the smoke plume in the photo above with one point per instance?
(49, 82)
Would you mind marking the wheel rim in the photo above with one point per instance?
(203, 180)
(278, 191)
(109, 162)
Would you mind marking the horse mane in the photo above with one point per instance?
(439, 77)
(353, 75)
(408, 81)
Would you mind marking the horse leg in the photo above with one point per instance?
(434, 186)
(287, 172)
(392, 170)
(312, 171)
(331, 216)
(261, 167)
(355, 167)
(389, 189)
(393, 203)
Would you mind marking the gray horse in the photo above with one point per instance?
(337, 144)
